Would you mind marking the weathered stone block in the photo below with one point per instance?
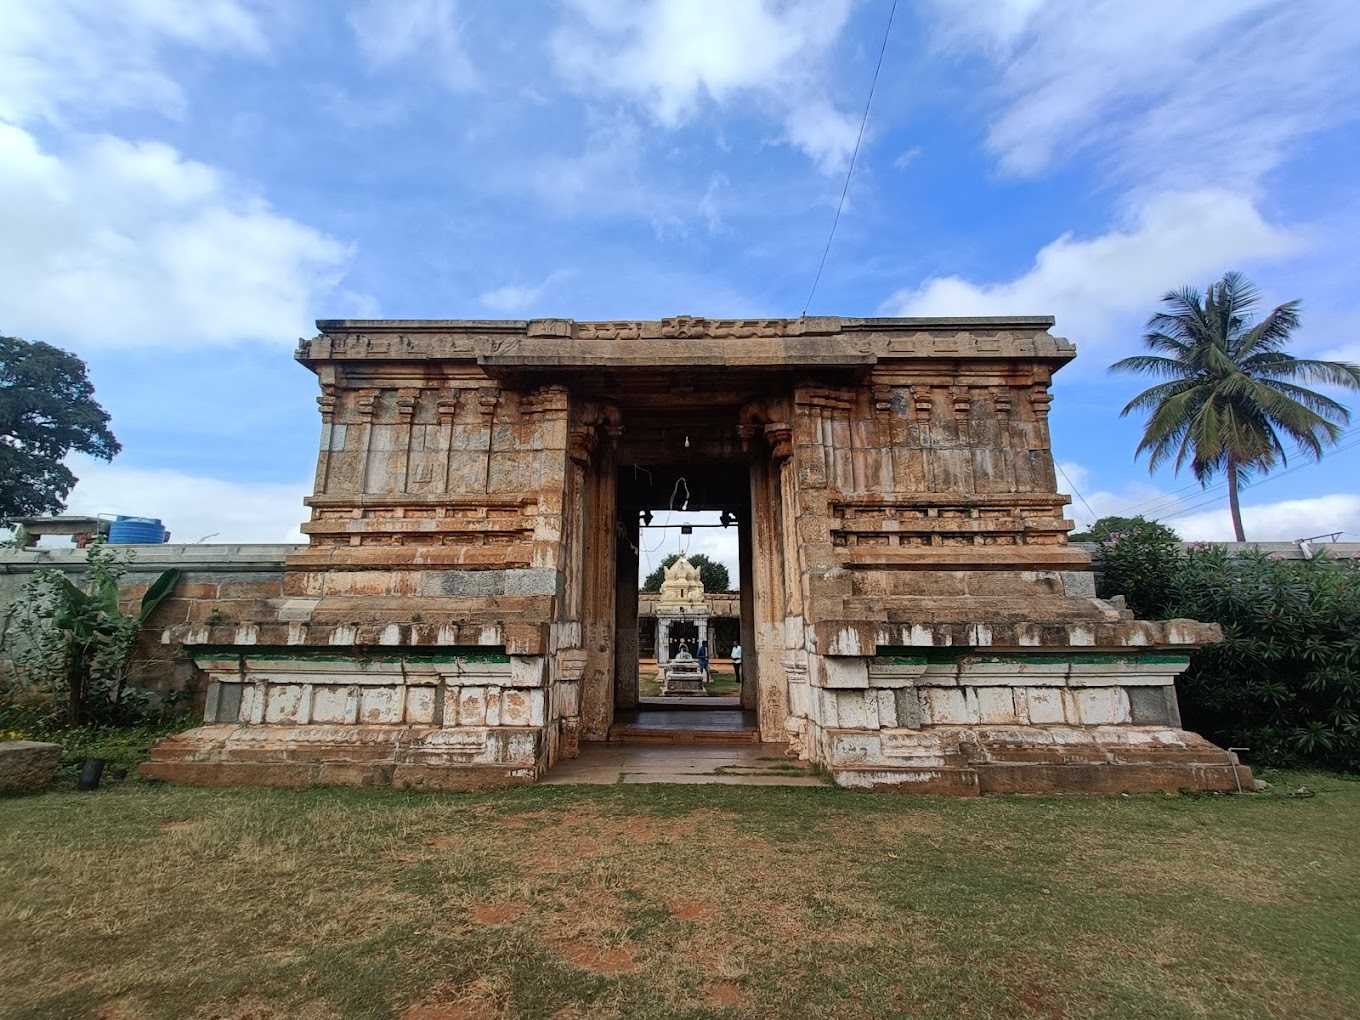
(27, 765)
(333, 704)
(1100, 706)
(379, 705)
(472, 706)
(1079, 584)
(282, 703)
(1045, 706)
(995, 705)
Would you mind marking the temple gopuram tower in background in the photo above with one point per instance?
(681, 610)
(911, 615)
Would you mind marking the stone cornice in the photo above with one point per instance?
(519, 345)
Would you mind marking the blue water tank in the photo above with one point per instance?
(136, 531)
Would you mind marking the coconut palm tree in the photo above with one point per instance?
(1232, 395)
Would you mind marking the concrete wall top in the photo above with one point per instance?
(1279, 550)
(148, 558)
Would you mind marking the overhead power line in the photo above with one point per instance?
(1216, 496)
(1074, 489)
(1154, 506)
(853, 156)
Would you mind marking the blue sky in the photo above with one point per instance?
(186, 184)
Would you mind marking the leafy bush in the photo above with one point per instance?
(1140, 561)
(75, 644)
(1285, 681)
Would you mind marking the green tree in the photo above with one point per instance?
(47, 409)
(1107, 528)
(1231, 392)
(711, 573)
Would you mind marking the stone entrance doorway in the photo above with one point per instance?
(911, 616)
(689, 460)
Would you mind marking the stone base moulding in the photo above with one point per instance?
(1031, 760)
(437, 719)
(405, 757)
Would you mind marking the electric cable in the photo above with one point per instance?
(853, 156)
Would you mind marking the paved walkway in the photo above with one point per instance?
(728, 764)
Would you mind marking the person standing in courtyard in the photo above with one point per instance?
(736, 662)
(702, 655)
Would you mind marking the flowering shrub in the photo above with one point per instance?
(1285, 681)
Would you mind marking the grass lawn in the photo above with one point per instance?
(677, 901)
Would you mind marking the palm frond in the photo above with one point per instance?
(1321, 405)
(1148, 364)
(1272, 333)
(1341, 374)
(1157, 395)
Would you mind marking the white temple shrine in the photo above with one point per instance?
(681, 606)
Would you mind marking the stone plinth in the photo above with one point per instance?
(27, 765)
(683, 678)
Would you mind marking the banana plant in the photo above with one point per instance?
(78, 641)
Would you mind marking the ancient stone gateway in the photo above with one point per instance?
(911, 614)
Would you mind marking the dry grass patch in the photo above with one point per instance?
(654, 902)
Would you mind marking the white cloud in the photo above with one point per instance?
(116, 242)
(122, 243)
(824, 133)
(510, 298)
(69, 56)
(517, 297)
(718, 544)
(1091, 285)
(907, 158)
(608, 177)
(1285, 521)
(392, 31)
(673, 55)
(193, 507)
(1184, 509)
(1218, 91)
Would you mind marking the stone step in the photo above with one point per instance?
(631, 734)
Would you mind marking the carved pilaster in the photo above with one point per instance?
(584, 435)
(581, 443)
(779, 437)
(922, 403)
(1040, 398)
(326, 403)
(544, 400)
